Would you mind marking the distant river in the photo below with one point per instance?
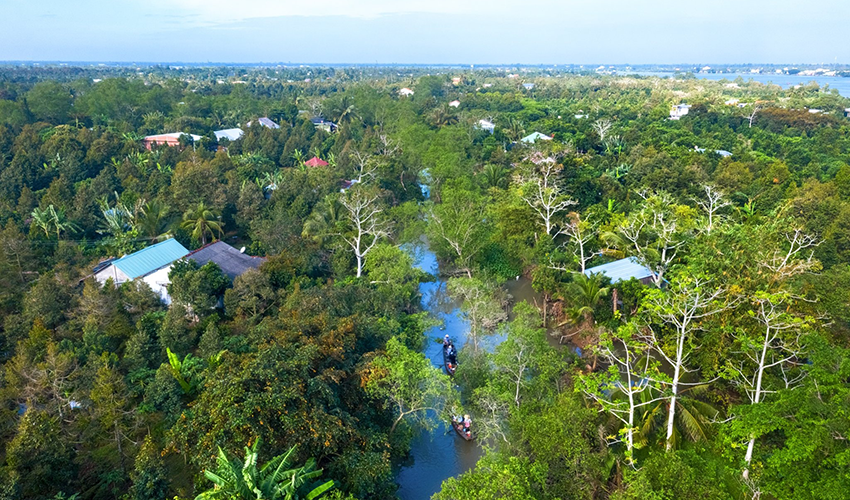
(839, 83)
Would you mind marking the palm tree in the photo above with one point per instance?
(495, 176)
(443, 116)
(200, 221)
(693, 417)
(323, 220)
(515, 129)
(584, 294)
(153, 220)
(236, 479)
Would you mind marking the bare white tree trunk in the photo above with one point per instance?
(713, 202)
(544, 195)
(688, 301)
(367, 224)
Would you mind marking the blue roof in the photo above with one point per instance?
(151, 258)
(621, 270)
(530, 138)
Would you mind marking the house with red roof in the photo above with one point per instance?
(316, 162)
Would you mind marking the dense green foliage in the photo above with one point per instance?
(736, 378)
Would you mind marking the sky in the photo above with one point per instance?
(426, 31)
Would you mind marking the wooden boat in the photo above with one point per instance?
(450, 371)
(459, 429)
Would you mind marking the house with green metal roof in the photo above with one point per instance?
(150, 264)
(623, 270)
(536, 136)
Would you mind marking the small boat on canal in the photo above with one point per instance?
(458, 426)
(449, 361)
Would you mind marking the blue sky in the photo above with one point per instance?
(426, 31)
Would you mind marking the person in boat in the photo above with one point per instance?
(447, 341)
(451, 354)
(467, 423)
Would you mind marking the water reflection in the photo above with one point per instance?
(441, 454)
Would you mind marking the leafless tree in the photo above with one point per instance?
(654, 234)
(579, 233)
(752, 115)
(778, 347)
(689, 300)
(367, 224)
(545, 195)
(364, 167)
(626, 353)
(713, 202)
(602, 126)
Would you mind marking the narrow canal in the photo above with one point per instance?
(438, 455)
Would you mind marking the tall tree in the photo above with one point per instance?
(201, 221)
(367, 224)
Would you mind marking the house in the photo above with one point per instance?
(151, 265)
(316, 162)
(623, 270)
(847, 112)
(721, 152)
(232, 262)
(454, 103)
(322, 124)
(172, 139)
(486, 125)
(231, 134)
(528, 86)
(456, 80)
(532, 138)
(732, 102)
(266, 122)
(405, 92)
(679, 110)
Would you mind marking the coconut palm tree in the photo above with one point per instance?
(515, 129)
(584, 294)
(443, 116)
(201, 221)
(153, 220)
(323, 220)
(693, 417)
(495, 176)
(236, 479)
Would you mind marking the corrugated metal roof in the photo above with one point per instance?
(231, 261)
(623, 269)
(531, 138)
(151, 258)
(231, 134)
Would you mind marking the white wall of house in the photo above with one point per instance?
(158, 281)
(111, 272)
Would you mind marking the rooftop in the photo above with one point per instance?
(231, 134)
(231, 261)
(316, 162)
(151, 258)
(621, 270)
(172, 135)
(531, 138)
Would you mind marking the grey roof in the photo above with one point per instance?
(623, 269)
(231, 134)
(230, 260)
(266, 122)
